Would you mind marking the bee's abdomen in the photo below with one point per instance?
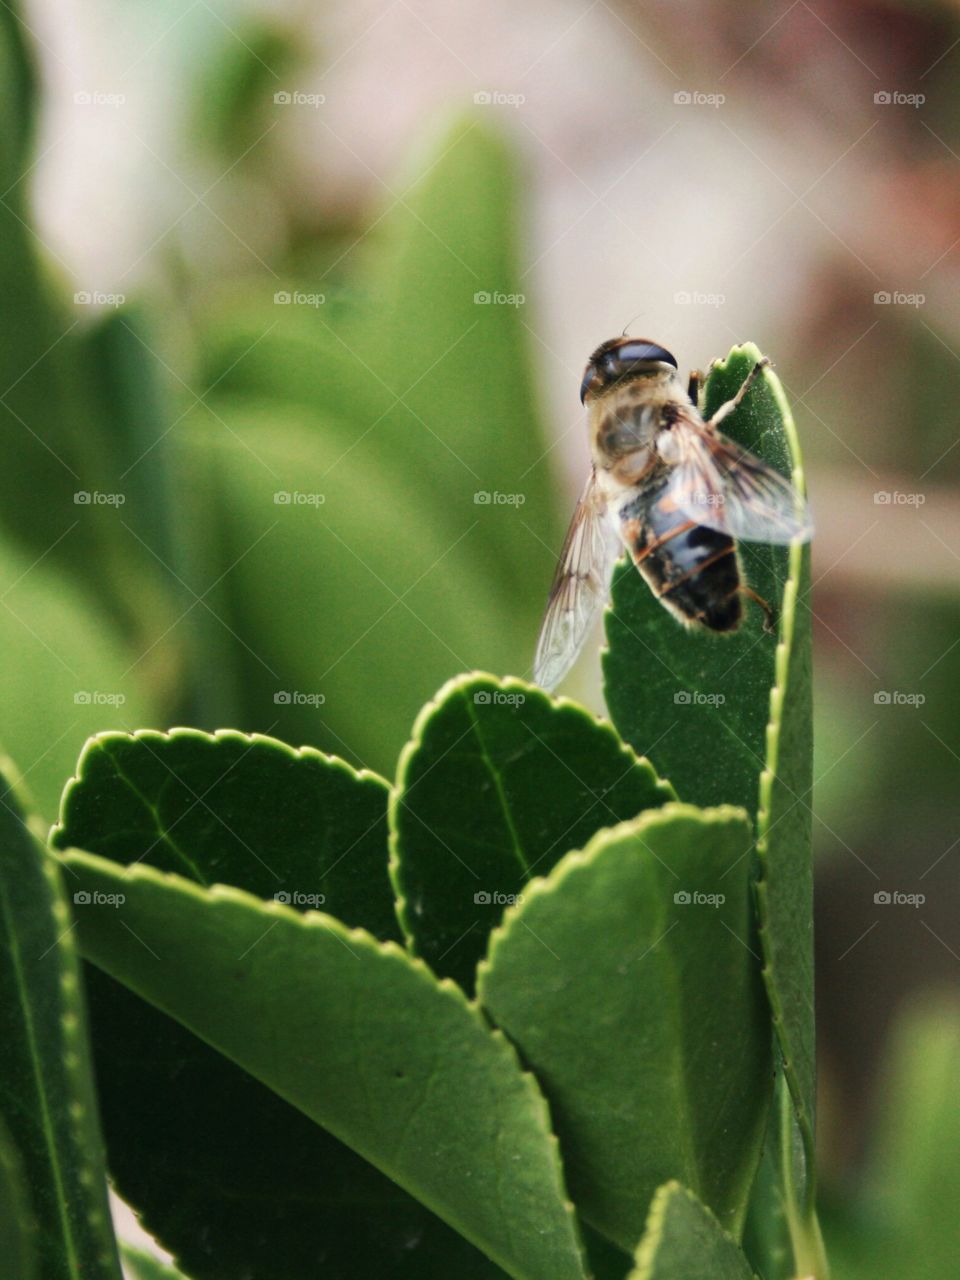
(690, 568)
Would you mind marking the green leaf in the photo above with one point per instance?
(731, 718)
(905, 1222)
(184, 1162)
(642, 1014)
(398, 408)
(65, 675)
(362, 1039)
(684, 1241)
(18, 1227)
(697, 701)
(46, 1095)
(497, 784)
(239, 809)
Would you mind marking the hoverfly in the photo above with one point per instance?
(674, 491)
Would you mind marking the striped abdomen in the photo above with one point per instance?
(691, 569)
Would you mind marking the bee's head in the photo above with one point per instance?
(620, 358)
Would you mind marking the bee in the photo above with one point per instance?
(670, 488)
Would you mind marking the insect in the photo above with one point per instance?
(668, 486)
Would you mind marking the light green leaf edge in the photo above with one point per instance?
(140, 1265)
(458, 685)
(787, 1035)
(77, 1136)
(219, 735)
(501, 1055)
(726, 1262)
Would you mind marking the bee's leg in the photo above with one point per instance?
(770, 614)
(695, 386)
(726, 409)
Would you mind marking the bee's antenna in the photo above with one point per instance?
(623, 333)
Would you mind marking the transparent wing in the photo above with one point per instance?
(721, 485)
(579, 588)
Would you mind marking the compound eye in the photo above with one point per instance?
(629, 352)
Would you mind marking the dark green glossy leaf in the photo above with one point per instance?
(497, 784)
(243, 810)
(362, 1039)
(619, 978)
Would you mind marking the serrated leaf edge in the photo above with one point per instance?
(646, 1254)
(100, 741)
(459, 685)
(221, 893)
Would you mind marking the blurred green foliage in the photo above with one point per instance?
(195, 591)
